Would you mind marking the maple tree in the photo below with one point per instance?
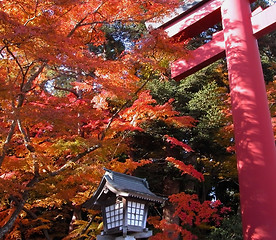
(61, 101)
(191, 213)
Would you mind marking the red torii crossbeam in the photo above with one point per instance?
(255, 144)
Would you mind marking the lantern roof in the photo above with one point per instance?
(121, 185)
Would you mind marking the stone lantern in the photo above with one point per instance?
(124, 202)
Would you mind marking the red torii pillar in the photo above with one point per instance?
(255, 144)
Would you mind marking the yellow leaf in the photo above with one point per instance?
(100, 226)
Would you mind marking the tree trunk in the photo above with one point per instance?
(20, 205)
(170, 187)
(76, 216)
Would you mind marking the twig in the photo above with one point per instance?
(18, 63)
(28, 85)
(67, 90)
(6, 228)
(88, 224)
(29, 146)
(75, 159)
(102, 135)
(79, 24)
(7, 141)
(34, 216)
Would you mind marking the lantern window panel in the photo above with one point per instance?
(114, 215)
(135, 213)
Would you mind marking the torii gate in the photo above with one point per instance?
(255, 144)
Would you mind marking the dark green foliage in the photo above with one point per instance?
(111, 49)
(119, 37)
(204, 37)
(205, 106)
(267, 46)
(201, 96)
(230, 229)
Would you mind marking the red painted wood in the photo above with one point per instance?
(196, 21)
(255, 147)
(191, 23)
(199, 58)
(263, 21)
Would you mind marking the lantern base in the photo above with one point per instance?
(132, 236)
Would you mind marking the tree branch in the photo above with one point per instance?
(2, 48)
(35, 11)
(20, 206)
(7, 227)
(29, 146)
(34, 216)
(79, 24)
(6, 144)
(114, 21)
(88, 225)
(75, 159)
(67, 90)
(28, 85)
(19, 65)
(102, 135)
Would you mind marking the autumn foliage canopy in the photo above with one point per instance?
(66, 112)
